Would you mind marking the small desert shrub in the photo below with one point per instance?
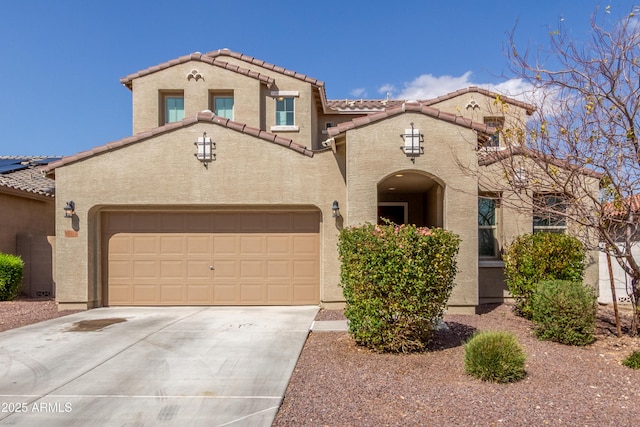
(532, 258)
(564, 312)
(494, 356)
(396, 281)
(633, 360)
(11, 273)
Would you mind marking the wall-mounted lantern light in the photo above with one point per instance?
(69, 209)
(205, 149)
(520, 179)
(413, 140)
(336, 209)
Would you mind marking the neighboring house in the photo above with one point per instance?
(240, 175)
(27, 220)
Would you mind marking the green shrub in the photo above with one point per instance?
(494, 356)
(633, 360)
(11, 273)
(564, 312)
(396, 281)
(532, 258)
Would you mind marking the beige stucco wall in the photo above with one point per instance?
(373, 153)
(162, 173)
(254, 104)
(515, 215)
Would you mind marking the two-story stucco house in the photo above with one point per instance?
(240, 174)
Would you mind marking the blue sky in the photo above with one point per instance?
(61, 60)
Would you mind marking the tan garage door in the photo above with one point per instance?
(230, 258)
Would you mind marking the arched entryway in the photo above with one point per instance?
(411, 197)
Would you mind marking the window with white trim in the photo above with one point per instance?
(285, 111)
(487, 239)
(496, 123)
(549, 213)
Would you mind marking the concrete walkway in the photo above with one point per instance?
(152, 366)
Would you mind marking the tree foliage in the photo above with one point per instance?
(586, 124)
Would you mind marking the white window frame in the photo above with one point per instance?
(279, 95)
(494, 121)
(562, 229)
(493, 227)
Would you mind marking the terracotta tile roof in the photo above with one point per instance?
(251, 60)
(415, 107)
(28, 174)
(203, 116)
(362, 105)
(197, 56)
(491, 157)
(372, 105)
(473, 89)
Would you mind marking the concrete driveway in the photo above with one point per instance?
(152, 366)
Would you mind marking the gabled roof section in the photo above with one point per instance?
(364, 106)
(491, 157)
(202, 117)
(197, 56)
(412, 107)
(25, 174)
(474, 89)
(254, 61)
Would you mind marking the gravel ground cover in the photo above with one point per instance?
(336, 383)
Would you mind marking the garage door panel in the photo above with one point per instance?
(172, 269)
(145, 294)
(252, 293)
(144, 269)
(199, 244)
(145, 245)
(199, 294)
(251, 269)
(225, 245)
(173, 294)
(198, 269)
(172, 245)
(278, 245)
(161, 258)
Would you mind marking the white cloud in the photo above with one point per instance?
(359, 92)
(428, 86)
(387, 89)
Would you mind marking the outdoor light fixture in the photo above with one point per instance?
(205, 149)
(413, 140)
(336, 209)
(69, 209)
(520, 179)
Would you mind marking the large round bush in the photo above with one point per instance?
(532, 258)
(396, 281)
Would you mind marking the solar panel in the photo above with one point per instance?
(12, 168)
(46, 161)
(4, 162)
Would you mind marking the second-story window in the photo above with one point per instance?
(496, 123)
(223, 106)
(284, 111)
(173, 108)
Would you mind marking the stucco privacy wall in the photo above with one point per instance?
(163, 173)
(374, 153)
